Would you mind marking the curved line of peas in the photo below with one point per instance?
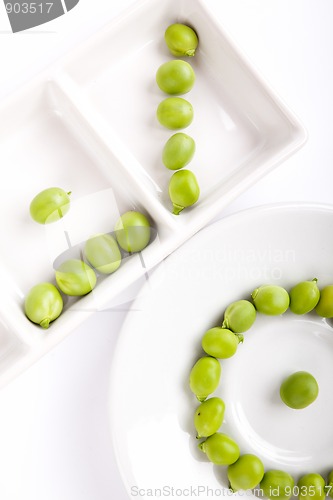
(321, 301)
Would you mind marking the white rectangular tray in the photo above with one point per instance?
(87, 124)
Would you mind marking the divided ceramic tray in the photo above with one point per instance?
(87, 124)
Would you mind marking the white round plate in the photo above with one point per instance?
(151, 406)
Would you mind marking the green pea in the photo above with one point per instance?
(221, 342)
(133, 231)
(49, 205)
(324, 307)
(205, 377)
(299, 390)
(181, 40)
(304, 297)
(272, 300)
(175, 77)
(103, 253)
(43, 304)
(246, 473)
(175, 113)
(277, 485)
(74, 277)
(220, 449)
(311, 487)
(184, 190)
(329, 487)
(178, 151)
(209, 416)
(239, 316)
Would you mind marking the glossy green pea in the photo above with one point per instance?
(103, 253)
(133, 231)
(205, 377)
(329, 488)
(272, 300)
(299, 390)
(181, 40)
(239, 316)
(304, 297)
(209, 416)
(221, 342)
(277, 484)
(184, 190)
(43, 304)
(311, 487)
(49, 205)
(175, 113)
(220, 449)
(246, 473)
(175, 77)
(74, 277)
(178, 151)
(324, 307)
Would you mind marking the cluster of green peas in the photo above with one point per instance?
(246, 471)
(75, 277)
(176, 77)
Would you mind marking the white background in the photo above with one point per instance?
(54, 430)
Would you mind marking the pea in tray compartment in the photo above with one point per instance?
(88, 125)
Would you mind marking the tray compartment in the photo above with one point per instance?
(241, 128)
(48, 143)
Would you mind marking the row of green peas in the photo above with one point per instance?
(74, 277)
(176, 77)
(246, 471)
